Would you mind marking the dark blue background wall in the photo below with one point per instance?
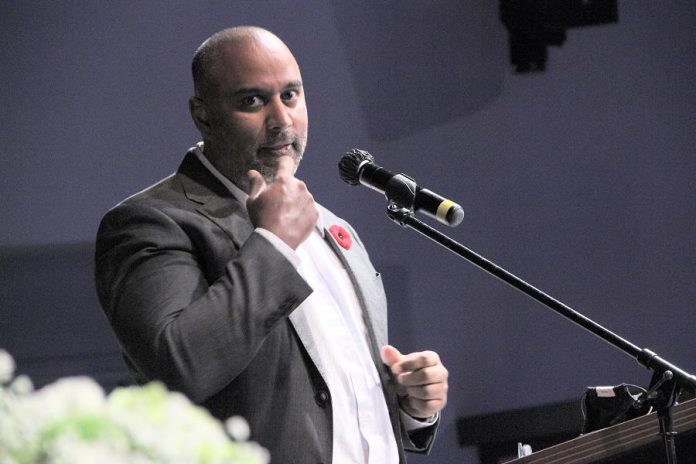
(580, 179)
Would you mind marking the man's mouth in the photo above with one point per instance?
(278, 149)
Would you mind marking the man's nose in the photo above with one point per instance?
(278, 115)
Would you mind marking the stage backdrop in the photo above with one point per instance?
(580, 179)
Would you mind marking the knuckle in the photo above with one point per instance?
(431, 355)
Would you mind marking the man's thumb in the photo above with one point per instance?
(256, 183)
(390, 355)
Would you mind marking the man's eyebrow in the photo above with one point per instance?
(260, 91)
(247, 91)
(294, 85)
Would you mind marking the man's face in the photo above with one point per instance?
(257, 112)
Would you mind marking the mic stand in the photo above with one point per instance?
(667, 380)
(664, 417)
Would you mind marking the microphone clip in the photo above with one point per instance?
(401, 191)
(399, 214)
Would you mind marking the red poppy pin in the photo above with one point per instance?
(341, 236)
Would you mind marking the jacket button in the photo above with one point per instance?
(322, 398)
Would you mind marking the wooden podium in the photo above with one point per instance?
(637, 441)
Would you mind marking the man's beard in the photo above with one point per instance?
(252, 157)
(266, 162)
(269, 171)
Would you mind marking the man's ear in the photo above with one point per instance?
(199, 114)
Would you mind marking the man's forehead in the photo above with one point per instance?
(260, 46)
(254, 64)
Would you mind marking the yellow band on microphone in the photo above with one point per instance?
(443, 209)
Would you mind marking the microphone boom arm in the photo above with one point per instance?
(645, 357)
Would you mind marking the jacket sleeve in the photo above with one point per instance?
(175, 324)
(421, 440)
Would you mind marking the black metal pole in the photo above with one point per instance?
(664, 417)
(645, 357)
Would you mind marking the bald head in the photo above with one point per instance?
(249, 103)
(210, 54)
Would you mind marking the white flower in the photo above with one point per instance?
(71, 421)
(7, 366)
(22, 384)
(69, 396)
(238, 428)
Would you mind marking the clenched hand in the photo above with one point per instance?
(284, 206)
(421, 381)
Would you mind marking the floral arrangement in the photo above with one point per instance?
(72, 421)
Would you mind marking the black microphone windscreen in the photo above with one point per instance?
(349, 166)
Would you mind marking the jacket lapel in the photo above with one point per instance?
(374, 321)
(365, 279)
(213, 200)
(368, 286)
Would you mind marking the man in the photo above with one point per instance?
(229, 283)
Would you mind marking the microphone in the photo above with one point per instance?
(358, 167)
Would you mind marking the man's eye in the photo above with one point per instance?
(252, 101)
(290, 94)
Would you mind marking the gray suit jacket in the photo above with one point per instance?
(201, 303)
